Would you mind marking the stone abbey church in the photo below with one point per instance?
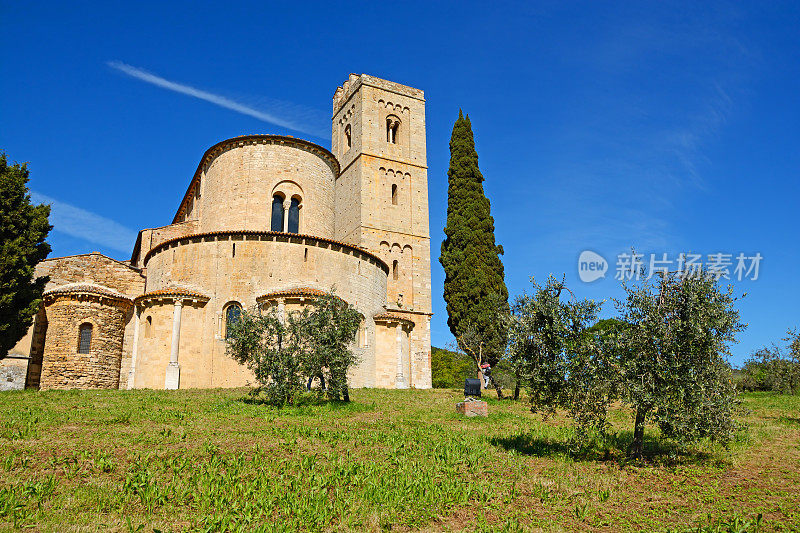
(266, 220)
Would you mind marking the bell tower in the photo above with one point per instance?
(378, 136)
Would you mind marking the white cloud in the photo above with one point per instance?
(86, 225)
(215, 99)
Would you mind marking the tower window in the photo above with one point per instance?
(85, 338)
(392, 129)
(148, 327)
(294, 216)
(277, 213)
(395, 270)
(394, 194)
(348, 136)
(232, 315)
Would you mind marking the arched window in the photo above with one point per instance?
(394, 194)
(233, 312)
(392, 129)
(395, 270)
(148, 327)
(348, 135)
(277, 213)
(294, 216)
(85, 338)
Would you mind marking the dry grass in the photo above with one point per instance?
(209, 460)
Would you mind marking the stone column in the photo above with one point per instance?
(411, 375)
(173, 376)
(286, 205)
(400, 381)
(135, 346)
(282, 310)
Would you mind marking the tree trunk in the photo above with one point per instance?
(636, 448)
(516, 391)
(496, 387)
(346, 394)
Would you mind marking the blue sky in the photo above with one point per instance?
(664, 126)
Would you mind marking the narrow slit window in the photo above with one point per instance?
(395, 270)
(394, 194)
(348, 135)
(277, 213)
(148, 327)
(233, 250)
(294, 216)
(85, 338)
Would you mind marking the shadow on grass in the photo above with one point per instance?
(308, 405)
(613, 447)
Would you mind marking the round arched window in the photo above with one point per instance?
(85, 338)
(233, 313)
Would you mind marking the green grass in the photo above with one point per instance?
(210, 460)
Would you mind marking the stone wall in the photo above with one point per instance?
(92, 267)
(239, 182)
(239, 268)
(13, 371)
(152, 237)
(63, 367)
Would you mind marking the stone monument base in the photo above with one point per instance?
(473, 408)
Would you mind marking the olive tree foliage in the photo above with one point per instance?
(284, 353)
(673, 357)
(774, 368)
(665, 357)
(560, 361)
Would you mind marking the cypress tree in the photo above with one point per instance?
(23, 229)
(474, 286)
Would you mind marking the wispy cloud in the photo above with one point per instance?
(86, 225)
(297, 124)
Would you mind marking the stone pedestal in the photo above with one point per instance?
(473, 408)
(173, 377)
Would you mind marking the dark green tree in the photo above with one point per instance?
(23, 230)
(474, 277)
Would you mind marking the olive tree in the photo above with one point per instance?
(288, 352)
(673, 355)
(558, 357)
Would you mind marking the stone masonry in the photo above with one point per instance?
(263, 215)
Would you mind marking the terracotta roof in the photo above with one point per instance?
(280, 139)
(86, 287)
(265, 233)
(172, 292)
(388, 315)
(299, 291)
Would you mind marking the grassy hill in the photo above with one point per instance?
(211, 460)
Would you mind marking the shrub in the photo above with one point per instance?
(774, 368)
(286, 352)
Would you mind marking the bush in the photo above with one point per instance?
(286, 353)
(774, 368)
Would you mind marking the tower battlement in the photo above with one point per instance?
(351, 85)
